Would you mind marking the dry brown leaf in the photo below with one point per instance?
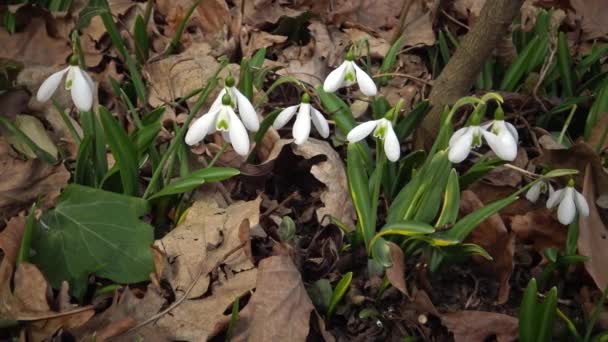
(33, 129)
(22, 182)
(594, 17)
(593, 236)
(503, 175)
(539, 228)
(206, 235)
(10, 238)
(597, 132)
(331, 173)
(493, 236)
(396, 273)
(479, 326)
(34, 45)
(468, 9)
(256, 39)
(280, 308)
(200, 318)
(257, 13)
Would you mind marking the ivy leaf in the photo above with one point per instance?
(92, 231)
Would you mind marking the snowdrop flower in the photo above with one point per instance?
(77, 81)
(462, 142)
(301, 127)
(240, 103)
(222, 119)
(383, 130)
(570, 202)
(538, 188)
(502, 138)
(347, 74)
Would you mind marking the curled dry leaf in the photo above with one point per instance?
(493, 236)
(539, 228)
(396, 273)
(206, 235)
(33, 128)
(479, 326)
(10, 238)
(280, 308)
(593, 235)
(22, 182)
(593, 16)
(331, 173)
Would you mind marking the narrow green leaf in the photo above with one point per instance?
(481, 168)
(564, 61)
(403, 228)
(444, 50)
(246, 79)
(518, 68)
(600, 105)
(123, 151)
(528, 320)
(140, 34)
(358, 184)
(547, 317)
(451, 201)
(195, 179)
(258, 59)
(153, 116)
(338, 110)
(597, 53)
(407, 125)
(472, 249)
(560, 173)
(339, 293)
(389, 60)
(84, 172)
(23, 138)
(26, 240)
(264, 127)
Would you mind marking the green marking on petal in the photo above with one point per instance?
(222, 125)
(349, 77)
(68, 84)
(476, 140)
(380, 131)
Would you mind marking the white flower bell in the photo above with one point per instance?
(239, 102)
(383, 130)
(301, 127)
(501, 136)
(570, 202)
(537, 189)
(222, 119)
(77, 81)
(347, 74)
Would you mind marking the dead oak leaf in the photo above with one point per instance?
(10, 238)
(593, 236)
(539, 228)
(493, 236)
(331, 173)
(594, 16)
(206, 235)
(280, 308)
(478, 326)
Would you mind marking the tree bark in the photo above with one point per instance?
(460, 73)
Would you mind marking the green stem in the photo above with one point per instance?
(68, 122)
(174, 44)
(377, 182)
(26, 241)
(182, 131)
(566, 124)
(218, 155)
(148, 12)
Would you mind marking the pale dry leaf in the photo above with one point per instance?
(22, 182)
(593, 235)
(539, 228)
(206, 235)
(259, 13)
(253, 40)
(396, 273)
(594, 17)
(378, 47)
(597, 132)
(305, 63)
(198, 319)
(33, 129)
(493, 236)
(479, 326)
(506, 176)
(280, 308)
(10, 238)
(336, 197)
(34, 45)
(31, 288)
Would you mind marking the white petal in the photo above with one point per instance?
(301, 128)
(555, 198)
(238, 135)
(534, 192)
(487, 125)
(361, 131)
(366, 84)
(566, 211)
(461, 147)
(457, 135)
(335, 79)
(200, 128)
(319, 122)
(581, 204)
(392, 149)
(512, 130)
(50, 85)
(284, 116)
(246, 111)
(89, 80)
(218, 101)
(82, 94)
(502, 144)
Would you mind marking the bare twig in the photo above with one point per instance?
(544, 70)
(396, 74)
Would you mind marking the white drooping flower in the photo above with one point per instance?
(502, 139)
(306, 114)
(538, 188)
(570, 202)
(240, 103)
(347, 74)
(223, 119)
(77, 81)
(462, 142)
(383, 130)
